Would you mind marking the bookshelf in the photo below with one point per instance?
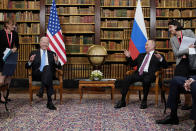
(77, 19)
(117, 18)
(88, 22)
(182, 10)
(26, 14)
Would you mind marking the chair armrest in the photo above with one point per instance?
(129, 72)
(59, 74)
(30, 75)
(29, 72)
(157, 75)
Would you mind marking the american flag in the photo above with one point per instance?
(55, 36)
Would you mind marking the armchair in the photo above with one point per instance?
(35, 85)
(137, 86)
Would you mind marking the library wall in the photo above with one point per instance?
(88, 22)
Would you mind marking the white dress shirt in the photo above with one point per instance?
(148, 62)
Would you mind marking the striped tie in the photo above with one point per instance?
(144, 64)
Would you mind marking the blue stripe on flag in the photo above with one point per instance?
(138, 38)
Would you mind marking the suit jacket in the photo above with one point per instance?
(176, 45)
(154, 65)
(37, 61)
(4, 43)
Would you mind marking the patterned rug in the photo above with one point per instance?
(95, 113)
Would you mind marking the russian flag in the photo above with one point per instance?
(138, 35)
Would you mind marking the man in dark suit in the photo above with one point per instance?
(147, 64)
(177, 85)
(190, 85)
(44, 63)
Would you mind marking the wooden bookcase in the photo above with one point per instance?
(117, 18)
(27, 17)
(77, 19)
(88, 22)
(182, 10)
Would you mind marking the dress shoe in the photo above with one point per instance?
(51, 106)
(143, 105)
(169, 120)
(120, 104)
(186, 107)
(40, 95)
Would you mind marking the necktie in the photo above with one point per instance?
(143, 65)
(43, 60)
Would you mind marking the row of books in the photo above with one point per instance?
(186, 23)
(115, 71)
(114, 45)
(123, 2)
(10, 4)
(162, 23)
(72, 2)
(169, 56)
(20, 71)
(27, 16)
(122, 23)
(25, 50)
(188, 3)
(125, 34)
(112, 34)
(109, 35)
(175, 3)
(73, 10)
(79, 39)
(123, 12)
(163, 44)
(5, 16)
(162, 33)
(29, 39)
(176, 12)
(78, 28)
(77, 48)
(116, 23)
(29, 28)
(78, 71)
(116, 57)
(188, 13)
(74, 19)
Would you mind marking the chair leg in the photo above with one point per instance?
(164, 100)
(55, 94)
(128, 94)
(61, 92)
(31, 96)
(140, 98)
(156, 95)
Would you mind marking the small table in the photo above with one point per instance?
(101, 83)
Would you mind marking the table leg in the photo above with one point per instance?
(112, 94)
(80, 91)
